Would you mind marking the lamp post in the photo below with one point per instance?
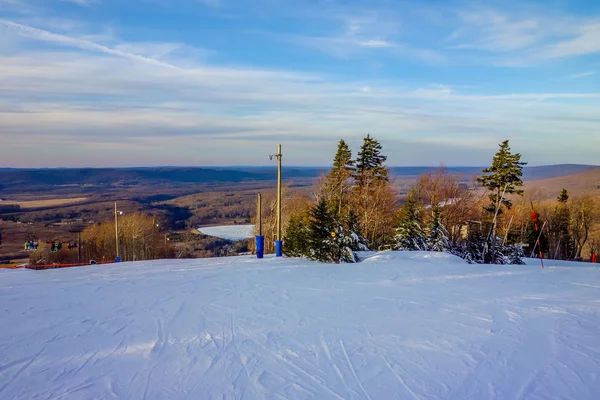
(278, 242)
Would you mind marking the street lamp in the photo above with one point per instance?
(278, 242)
(117, 213)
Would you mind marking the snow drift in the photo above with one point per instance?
(398, 325)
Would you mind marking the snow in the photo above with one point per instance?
(407, 325)
(229, 232)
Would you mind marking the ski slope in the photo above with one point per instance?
(399, 325)
(229, 232)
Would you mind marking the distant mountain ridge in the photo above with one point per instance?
(132, 176)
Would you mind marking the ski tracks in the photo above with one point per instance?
(21, 370)
(351, 366)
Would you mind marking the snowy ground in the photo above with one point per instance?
(398, 325)
(229, 232)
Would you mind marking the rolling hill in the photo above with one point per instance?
(587, 181)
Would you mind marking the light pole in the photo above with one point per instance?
(278, 242)
(117, 259)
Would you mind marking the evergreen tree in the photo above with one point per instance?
(503, 177)
(410, 234)
(321, 226)
(337, 185)
(475, 248)
(515, 254)
(373, 198)
(560, 228)
(297, 236)
(370, 163)
(437, 239)
(345, 243)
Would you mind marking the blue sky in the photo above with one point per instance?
(222, 82)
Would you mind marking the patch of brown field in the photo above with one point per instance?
(587, 182)
(45, 203)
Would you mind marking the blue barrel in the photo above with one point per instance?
(278, 248)
(260, 246)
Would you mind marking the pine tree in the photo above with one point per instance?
(410, 234)
(370, 163)
(338, 183)
(503, 177)
(437, 238)
(373, 198)
(515, 254)
(321, 226)
(560, 223)
(297, 236)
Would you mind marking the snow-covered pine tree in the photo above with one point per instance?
(410, 234)
(437, 237)
(475, 248)
(514, 254)
(347, 240)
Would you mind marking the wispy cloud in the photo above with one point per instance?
(525, 37)
(491, 30)
(581, 75)
(81, 2)
(77, 88)
(587, 41)
(84, 44)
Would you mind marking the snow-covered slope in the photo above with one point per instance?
(398, 325)
(229, 232)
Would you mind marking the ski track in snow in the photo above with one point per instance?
(398, 325)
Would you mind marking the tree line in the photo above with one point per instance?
(355, 207)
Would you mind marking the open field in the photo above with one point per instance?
(44, 203)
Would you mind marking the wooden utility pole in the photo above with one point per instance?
(279, 192)
(259, 215)
(116, 230)
(278, 243)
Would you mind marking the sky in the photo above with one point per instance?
(222, 82)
